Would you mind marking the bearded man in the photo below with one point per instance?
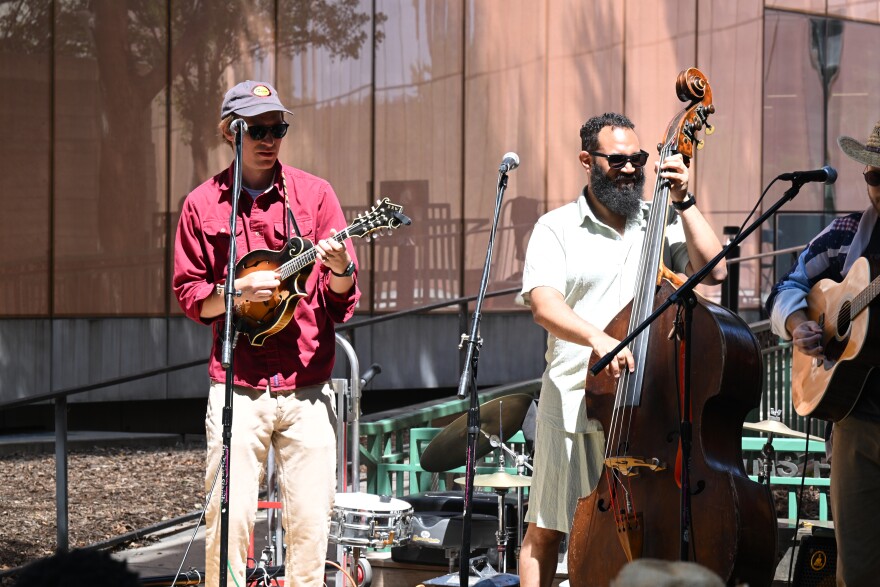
(580, 271)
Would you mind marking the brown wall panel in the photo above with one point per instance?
(25, 160)
(109, 158)
(505, 105)
(327, 83)
(418, 149)
(866, 10)
(584, 79)
(728, 176)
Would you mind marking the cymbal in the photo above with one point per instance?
(499, 480)
(448, 450)
(774, 427)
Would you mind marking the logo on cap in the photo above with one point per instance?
(262, 91)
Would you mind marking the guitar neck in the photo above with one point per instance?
(302, 261)
(866, 296)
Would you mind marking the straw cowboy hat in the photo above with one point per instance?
(869, 153)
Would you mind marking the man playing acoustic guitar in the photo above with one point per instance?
(282, 397)
(855, 475)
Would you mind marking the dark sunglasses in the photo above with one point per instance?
(872, 178)
(258, 133)
(619, 161)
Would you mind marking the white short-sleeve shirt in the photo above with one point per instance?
(595, 270)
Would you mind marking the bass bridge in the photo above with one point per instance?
(630, 466)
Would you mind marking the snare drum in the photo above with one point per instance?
(366, 520)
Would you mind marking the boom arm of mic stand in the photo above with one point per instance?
(691, 283)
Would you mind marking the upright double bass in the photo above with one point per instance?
(636, 511)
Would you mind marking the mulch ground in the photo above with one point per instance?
(112, 491)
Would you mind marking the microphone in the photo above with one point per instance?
(509, 163)
(238, 125)
(825, 175)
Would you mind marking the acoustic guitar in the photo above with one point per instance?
(829, 386)
(294, 262)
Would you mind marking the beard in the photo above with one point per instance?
(621, 197)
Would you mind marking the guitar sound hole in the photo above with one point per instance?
(843, 319)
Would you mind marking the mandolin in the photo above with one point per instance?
(294, 262)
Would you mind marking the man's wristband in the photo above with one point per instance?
(689, 200)
(349, 270)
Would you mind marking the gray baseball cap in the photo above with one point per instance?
(250, 98)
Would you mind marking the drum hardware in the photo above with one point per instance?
(478, 567)
(443, 453)
(501, 481)
(363, 520)
(774, 427)
(447, 450)
(522, 463)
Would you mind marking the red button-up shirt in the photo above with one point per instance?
(302, 353)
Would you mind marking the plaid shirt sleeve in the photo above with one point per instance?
(823, 258)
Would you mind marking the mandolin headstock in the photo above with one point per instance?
(384, 215)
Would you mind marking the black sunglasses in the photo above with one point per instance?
(258, 133)
(872, 178)
(619, 161)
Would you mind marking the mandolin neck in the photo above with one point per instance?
(305, 259)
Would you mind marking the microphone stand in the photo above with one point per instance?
(684, 296)
(468, 381)
(238, 127)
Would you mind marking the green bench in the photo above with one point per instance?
(752, 445)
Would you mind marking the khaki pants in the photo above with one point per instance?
(301, 426)
(855, 494)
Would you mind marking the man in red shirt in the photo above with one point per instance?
(282, 397)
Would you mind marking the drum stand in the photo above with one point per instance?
(501, 534)
(353, 554)
(522, 464)
(768, 461)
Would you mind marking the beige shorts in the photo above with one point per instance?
(567, 466)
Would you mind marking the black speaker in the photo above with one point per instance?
(816, 564)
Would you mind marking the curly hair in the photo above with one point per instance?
(591, 128)
(224, 126)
